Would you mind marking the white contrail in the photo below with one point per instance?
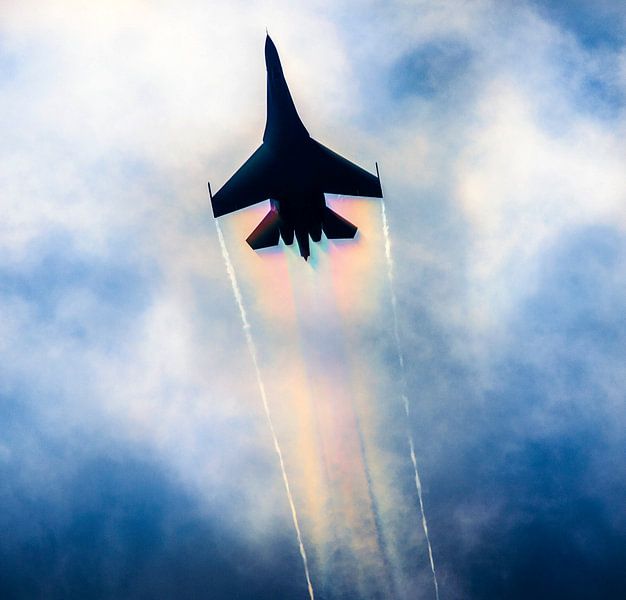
(405, 399)
(253, 354)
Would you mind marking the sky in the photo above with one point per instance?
(136, 457)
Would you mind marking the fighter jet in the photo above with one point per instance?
(294, 172)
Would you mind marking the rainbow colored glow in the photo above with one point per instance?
(326, 384)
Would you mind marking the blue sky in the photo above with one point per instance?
(135, 458)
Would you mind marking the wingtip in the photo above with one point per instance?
(380, 187)
(216, 213)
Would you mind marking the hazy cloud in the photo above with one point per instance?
(134, 454)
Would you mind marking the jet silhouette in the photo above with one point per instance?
(293, 171)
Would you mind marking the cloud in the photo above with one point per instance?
(534, 491)
(111, 523)
(133, 433)
(597, 26)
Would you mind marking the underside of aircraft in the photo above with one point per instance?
(294, 172)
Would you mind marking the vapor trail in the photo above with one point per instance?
(405, 399)
(380, 539)
(253, 355)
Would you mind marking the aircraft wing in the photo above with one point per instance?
(248, 186)
(337, 175)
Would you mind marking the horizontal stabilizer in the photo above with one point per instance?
(267, 232)
(336, 227)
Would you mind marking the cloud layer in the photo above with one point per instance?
(135, 460)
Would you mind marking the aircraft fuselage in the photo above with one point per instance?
(294, 172)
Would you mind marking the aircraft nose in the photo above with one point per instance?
(271, 54)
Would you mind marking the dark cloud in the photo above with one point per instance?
(582, 297)
(594, 23)
(432, 69)
(526, 491)
(106, 522)
(602, 95)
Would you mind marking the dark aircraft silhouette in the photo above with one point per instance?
(293, 171)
